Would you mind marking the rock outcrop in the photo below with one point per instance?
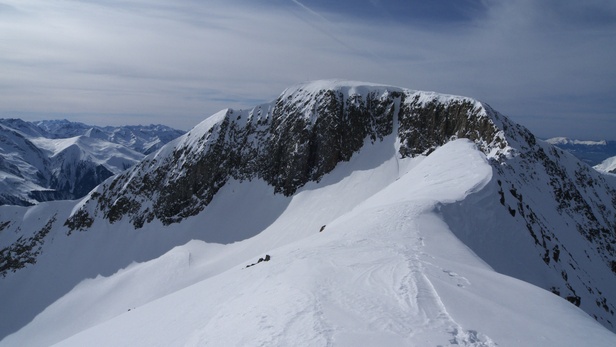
(297, 139)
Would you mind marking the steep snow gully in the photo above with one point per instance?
(383, 249)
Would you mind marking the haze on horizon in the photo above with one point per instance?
(548, 65)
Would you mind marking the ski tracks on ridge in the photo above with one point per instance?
(386, 294)
(416, 292)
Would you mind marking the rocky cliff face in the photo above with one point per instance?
(298, 138)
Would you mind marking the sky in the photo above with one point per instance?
(548, 65)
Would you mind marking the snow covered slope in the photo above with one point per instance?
(608, 165)
(385, 213)
(116, 158)
(23, 167)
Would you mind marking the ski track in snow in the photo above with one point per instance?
(420, 310)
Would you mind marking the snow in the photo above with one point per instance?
(347, 87)
(18, 187)
(607, 166)
(116, 158)
(386, 270)
(567, 141)
(143, 139)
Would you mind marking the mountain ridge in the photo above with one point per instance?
(284, 144)
(144, 139)
(535, 212)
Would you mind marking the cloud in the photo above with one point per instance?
(541, 63)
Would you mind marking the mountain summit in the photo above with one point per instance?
(297, 139)
(342, 213)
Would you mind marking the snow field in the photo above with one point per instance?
(386, 270)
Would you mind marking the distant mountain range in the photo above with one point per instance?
(143, 139)
(592, 153)
(59, 159)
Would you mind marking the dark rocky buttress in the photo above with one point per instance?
(297, 139)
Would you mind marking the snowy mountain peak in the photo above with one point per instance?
(308, 131)
(294, 140)
(608, 166)
(143, 139)
(383, 213)
(25, 128)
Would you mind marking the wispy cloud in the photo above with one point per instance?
(178, 62)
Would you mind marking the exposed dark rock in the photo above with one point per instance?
(576, 300)
(296, 140)
(81, 220)
(266, 258)
(24, 250)
(427, 125)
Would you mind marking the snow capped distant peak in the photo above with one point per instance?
(590, 152)
(557, 140)
(608, 166)
(40, 161)
(22, 127)
(144, 139)
(300, 137)
(114, 157)
(55, 146)
(567, 141)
